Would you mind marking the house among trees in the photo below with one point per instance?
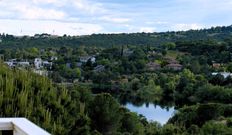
(47, 64)
(68, 65)
(23, 64)
(38, 63)
(216, 65)
(224, 74)
(127, 52)
(9, 63)
(13, 63)
(85, 59)
(174, 66)
(171, 60)
(79, 64)
(152, 66)
(54, 58)
(99, 68)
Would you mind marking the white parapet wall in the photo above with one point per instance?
(21, 126)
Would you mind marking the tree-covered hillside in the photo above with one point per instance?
(66, 111)
(108, 40)
(75, 111)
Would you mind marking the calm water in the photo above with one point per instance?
(152, 112)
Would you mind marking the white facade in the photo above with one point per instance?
(86, 58)
(224, 74)
(9, 63)
(54, 58)
(21, 126)
(38, 63)
(93, 59)
(25, 64)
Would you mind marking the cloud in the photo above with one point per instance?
(31, 27)
(57, 3)
(182, 26)
(114, 16)
(115, 19)
(45, 1)
(39, 13)
(88, 6)
(26, 10)
(156, 22)
(147, 29)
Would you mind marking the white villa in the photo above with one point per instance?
(86, 58)
(224, 74)
(38, 63)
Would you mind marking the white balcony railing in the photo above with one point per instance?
(21, 126)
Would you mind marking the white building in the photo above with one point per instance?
(9, 63)
(54, 58)
(38, 63)
(47, 64)
(86, 58)
(224, 74)
(21, 126)
(24, 64)
(41, 72)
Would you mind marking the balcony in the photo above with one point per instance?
(20, 126)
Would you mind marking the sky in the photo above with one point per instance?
(84, 17)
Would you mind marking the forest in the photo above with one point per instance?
(109, 40)
(90, 78)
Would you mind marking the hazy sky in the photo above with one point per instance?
(78, 17)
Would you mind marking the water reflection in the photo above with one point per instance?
(152, 112)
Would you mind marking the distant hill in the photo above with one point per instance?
(108, 40)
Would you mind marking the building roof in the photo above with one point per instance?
(153, 64)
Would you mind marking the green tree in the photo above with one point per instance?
(76, 73)
(131, 124)
(105, 114)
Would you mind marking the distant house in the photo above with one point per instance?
(127, 52)
(47, 64)
(99, 68)
(174, 66)
(14, 63)
(38, 63)
(216, 65)
(42, 35)
(85, 59)
(23, 64)
(224, 74)
(152, 52)
(171, 60)
(93, 59)
(152, 66)
(41, 72)
(9, 63)
(54, 58)
(13, 60)
(79, 64)
(68, 65)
